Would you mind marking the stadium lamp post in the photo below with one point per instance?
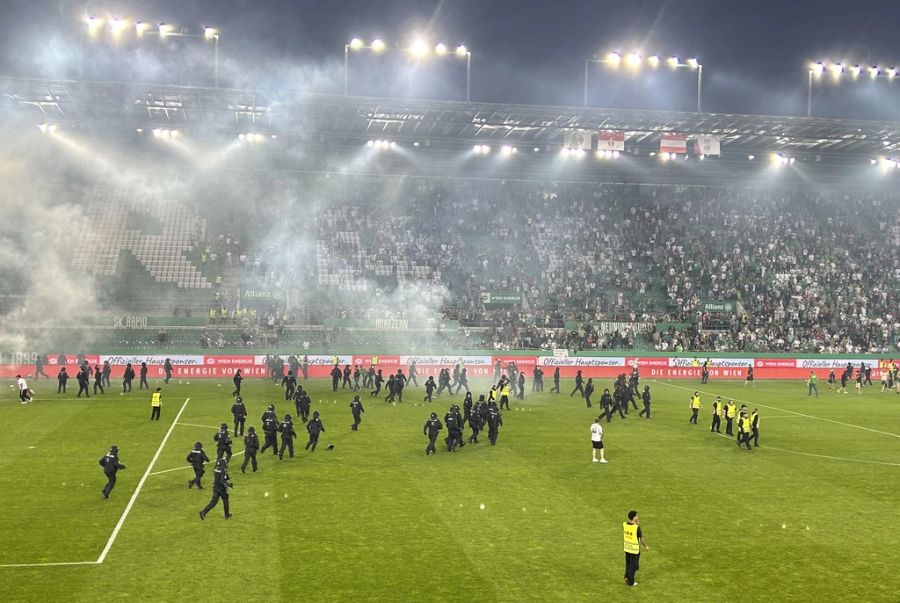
(419, 49)
(635, 61)
(163, 30)
(837, 70)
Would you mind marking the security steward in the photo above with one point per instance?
(743, 436)
(197, 459)
(634, 539)
(754, 427)
(730, 413)
(717, 415)
(155, 404)
(695, 407)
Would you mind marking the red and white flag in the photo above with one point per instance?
(707, 144)
(673, 143)
(610, 141)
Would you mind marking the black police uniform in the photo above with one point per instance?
(111, 465)
(239, 412)
(357, 409)
(197, 458)
(251, 446)
(314, 427)
(223, 444)
(221, 483)
(270, 428)
(287, 437)
(495, 421)
(433, 427)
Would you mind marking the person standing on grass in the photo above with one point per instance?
(270, 429)
(127, 378)
(221, 483)
(107, 371)
(730, 413)
(646, 399)
(111, 465)
(98, 380)
(197, 459)
(83, 381)
(749, 379)
(495, 422)
(831, 380)
(743, 436)
(143, 382)
(588, 392)
(717, 416)
(413, 373)
(239, 412)
(844, 378)
(432, 428)
(555, 388)
(356, 408)
(634, 540)
(251, 445)
(62, 378)
(167, 369)
(859, 383)
(504, 393)
(597, 441)
(695, 407)
(812, 384)
(156, 404)
(237, 383)
(289, 383)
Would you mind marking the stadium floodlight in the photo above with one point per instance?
(507, 150)
(873, 71)
(117, 26)
(873, 161)
(461, 50)
(164, 29)
(482, 149)
(836, 69)
(536, 149)
(440, 49)
(370, 144)
(93, 23)
(378, 45)
(356, 44)
(140, 27)
(419, 48)
(855, 70)
(210, 32)
(818, 68)
(751, 157)
(47, 128)
(892, 72)
(634, 61)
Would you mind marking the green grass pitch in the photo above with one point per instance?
(811, 515)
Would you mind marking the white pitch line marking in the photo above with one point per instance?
(799, 414)
(187, 466)
(140, 485)
(820, 456)
(195, 425)
(49, 564)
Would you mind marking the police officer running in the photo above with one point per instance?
(111, 465)
(197, 458)
(221, 483)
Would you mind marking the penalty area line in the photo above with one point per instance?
(818, 456)
(140, 485)
(186, 466)
(57, 563)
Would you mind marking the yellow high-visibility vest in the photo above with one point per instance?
(729, 410)
(695, 401)
(631, 540)
(754, 416)
(156, 399)
(505, 391)
(374, 360)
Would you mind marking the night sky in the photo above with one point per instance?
(755, 54)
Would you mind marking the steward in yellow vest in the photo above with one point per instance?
(695, 407)
(717, 415)
(730, 412)
(156, 404)
(634, 539)
(743, 431)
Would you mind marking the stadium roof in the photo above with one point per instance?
(353, 118)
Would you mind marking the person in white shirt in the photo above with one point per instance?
(597, 441)
(24, 394)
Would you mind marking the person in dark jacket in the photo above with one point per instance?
(645, 396)
(83, 381)
(237, 383)
(335, 377)
(588, 392)
(474, 418)
(62, 378)
(143, 382)
(430, 386)
(357, 409)
(251, 446)
(377, 381)
(98, 380)
(197, 459)
(111, 465)
(221, 483)
(289, 383)
(314, 427)
(223, 443)
(346, 374)
(167, 369)
(127, 378)
(432, 428)
(579, 385)
(107, 371)
(495, 421)
(521, 392)
(555, 388)
(239, 412)
(454, 431)
(270, 429)
(287, 437)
